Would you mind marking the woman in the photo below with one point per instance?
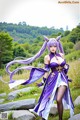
(56, 85)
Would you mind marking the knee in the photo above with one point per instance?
(59, 100)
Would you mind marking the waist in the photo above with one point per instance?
(59, 69)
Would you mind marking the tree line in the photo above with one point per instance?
(22, 32)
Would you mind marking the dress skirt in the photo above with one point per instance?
(48, 95)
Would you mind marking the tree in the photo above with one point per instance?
(26, 46)
(74, 35)
(66, 32)
(19, 51)
(5, 48)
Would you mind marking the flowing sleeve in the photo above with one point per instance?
(35, 74)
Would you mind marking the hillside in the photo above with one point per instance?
(25, 33)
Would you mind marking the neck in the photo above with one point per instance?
(52, 53)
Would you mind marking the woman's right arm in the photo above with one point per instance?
(46, 62)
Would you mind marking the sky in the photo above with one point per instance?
(49, 13)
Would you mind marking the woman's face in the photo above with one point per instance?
(53, 49)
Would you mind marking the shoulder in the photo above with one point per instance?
(46, 59)
(62, 55)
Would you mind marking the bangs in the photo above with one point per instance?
(52, 42)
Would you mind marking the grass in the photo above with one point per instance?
(74, 74)
(10, 116)
(33, 93)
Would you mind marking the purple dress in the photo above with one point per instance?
(48, 95)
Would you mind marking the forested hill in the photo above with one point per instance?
(29, 40)
(25, 33)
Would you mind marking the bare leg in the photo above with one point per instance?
(60, 93)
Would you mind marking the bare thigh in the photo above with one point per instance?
(60, 92)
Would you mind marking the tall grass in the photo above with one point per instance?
(74, 73)
(24, 75)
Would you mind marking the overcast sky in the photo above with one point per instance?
(40, 13)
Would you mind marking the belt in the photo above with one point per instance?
(59, 68)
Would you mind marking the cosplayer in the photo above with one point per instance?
(56, 85)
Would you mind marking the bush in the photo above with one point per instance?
(73, 56)
(68, 47)
(2, 72)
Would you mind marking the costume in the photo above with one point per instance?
(48, 94)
